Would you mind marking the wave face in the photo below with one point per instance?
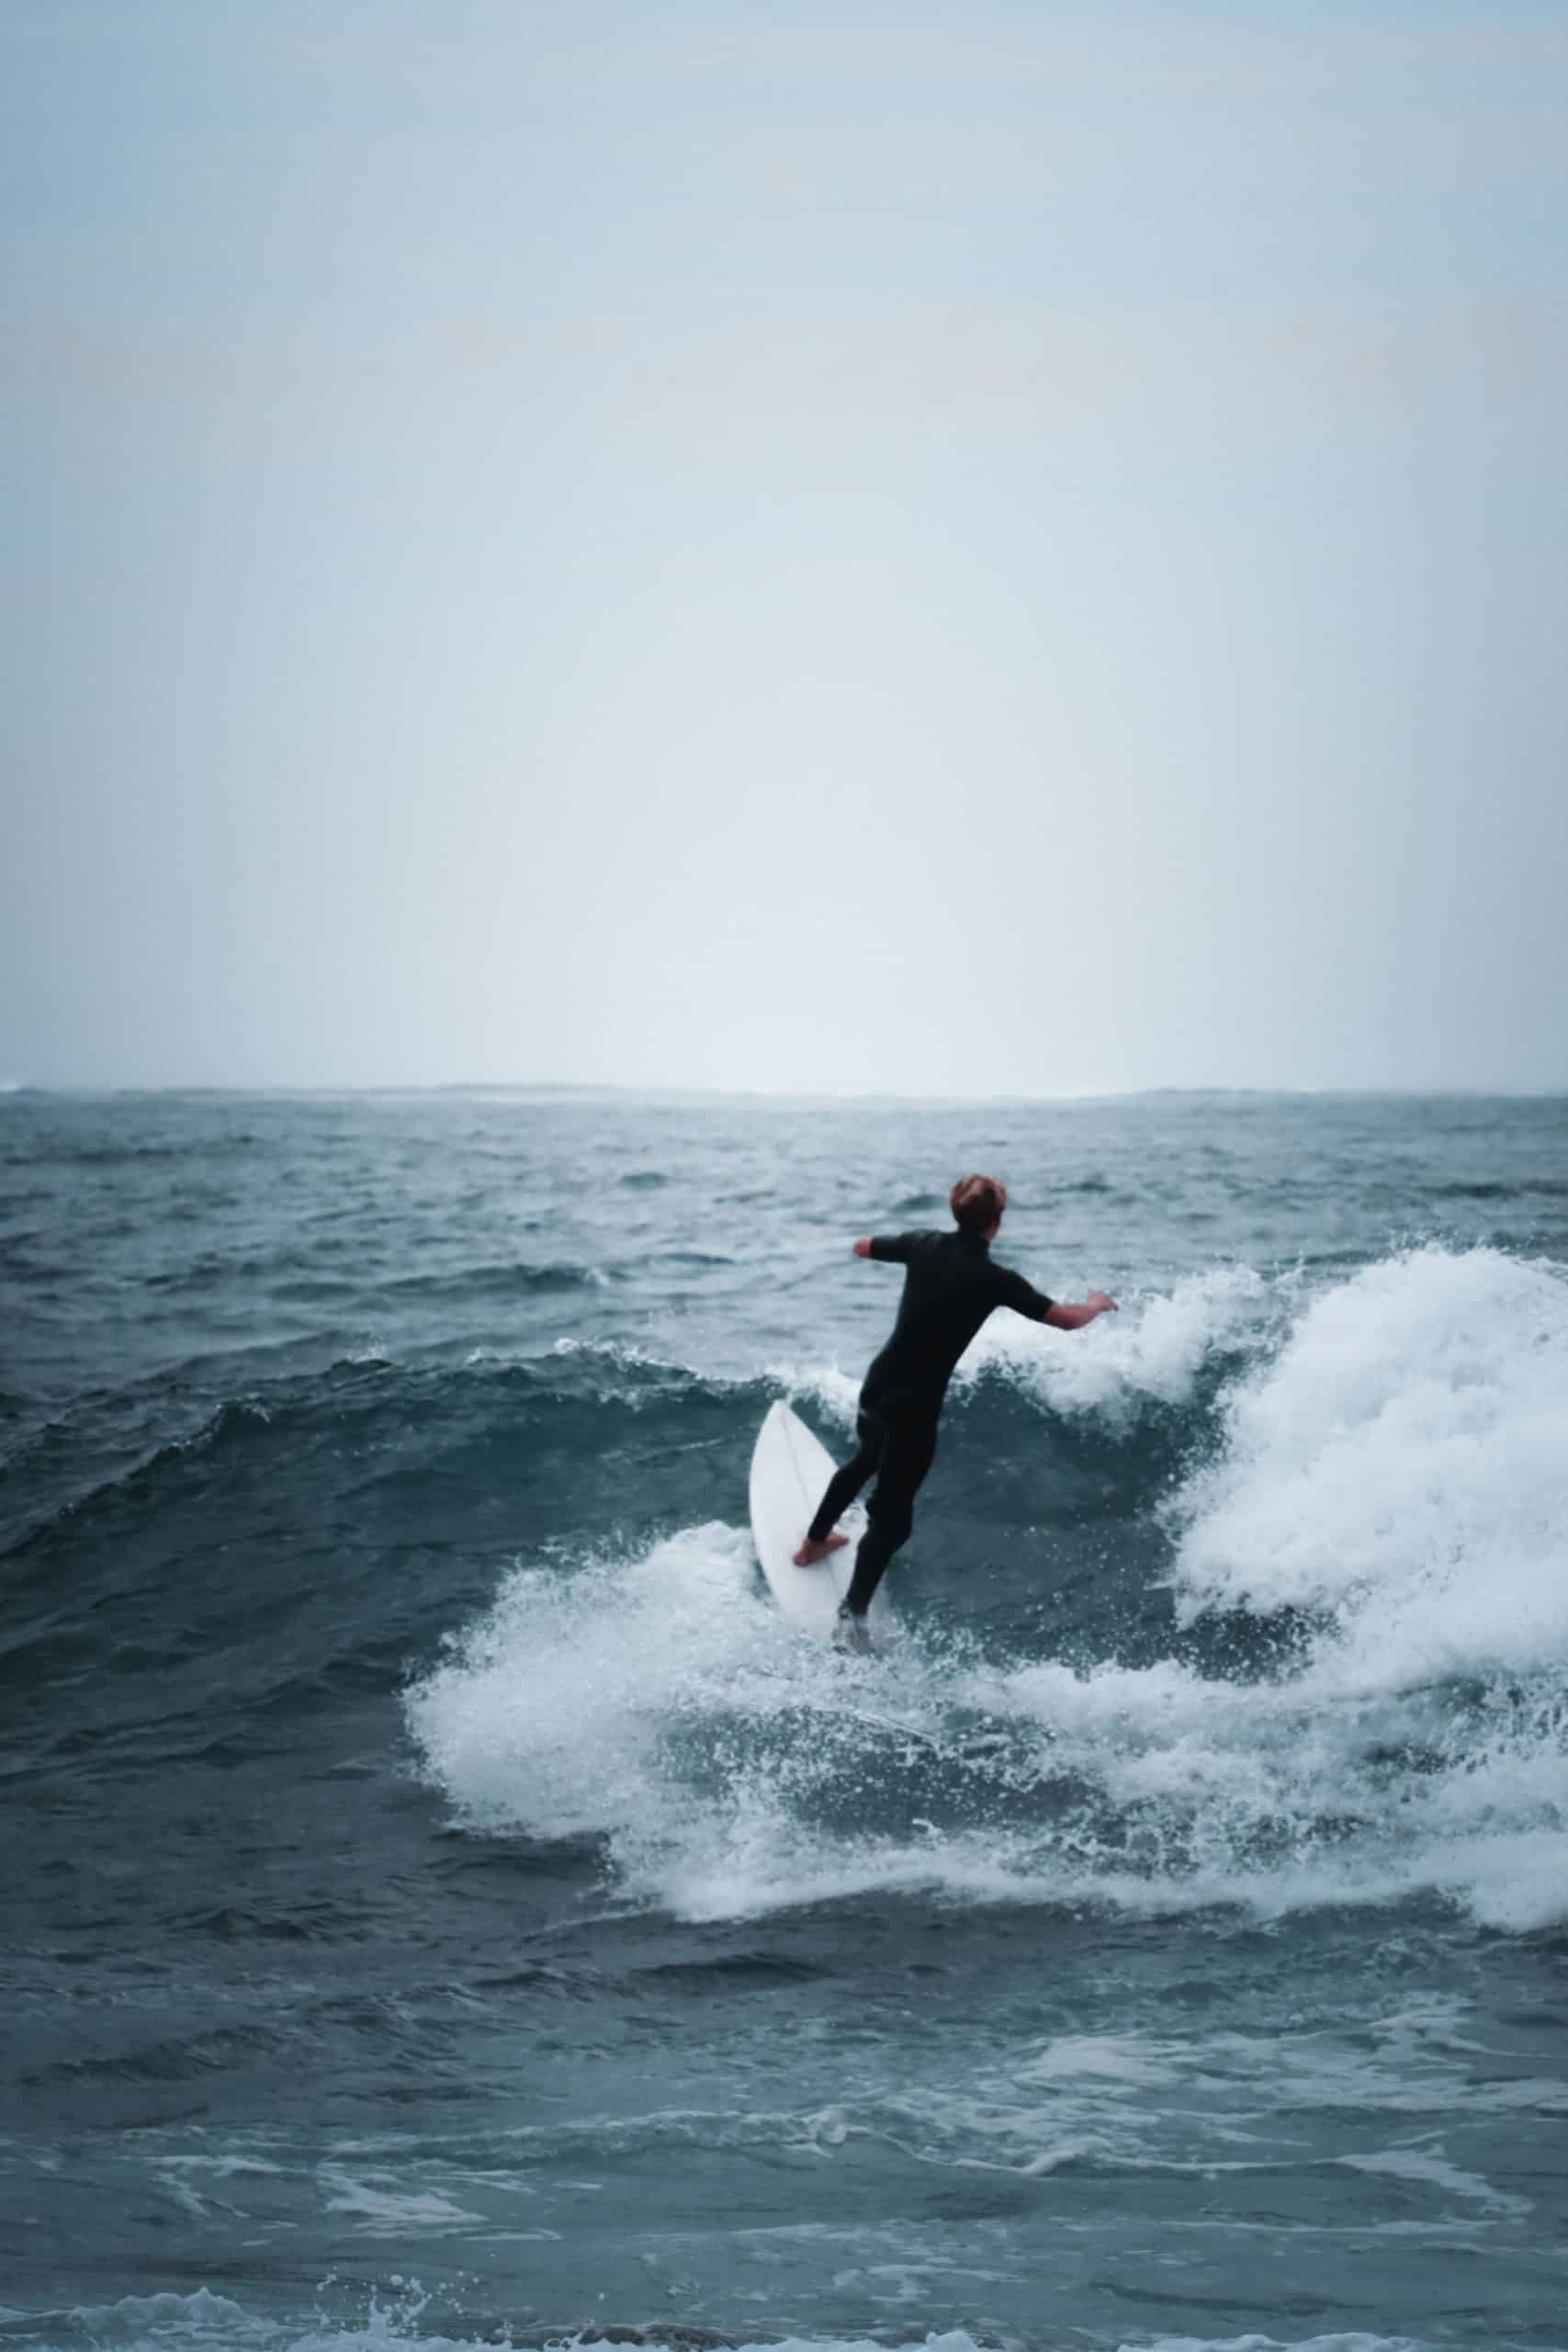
(434, 1869)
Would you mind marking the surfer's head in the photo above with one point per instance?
(977, 1202)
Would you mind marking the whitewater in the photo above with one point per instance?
(446, 1903)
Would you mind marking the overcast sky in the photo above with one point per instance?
(938, 548)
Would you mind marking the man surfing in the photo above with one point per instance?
(951, 1286)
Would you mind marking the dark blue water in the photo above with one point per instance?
(442, 1899)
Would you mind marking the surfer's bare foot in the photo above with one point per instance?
(811, 1551)
(851, 1632)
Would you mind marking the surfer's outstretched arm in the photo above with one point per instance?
(1071, 1314)
(892, 1248)
(1062, 1314)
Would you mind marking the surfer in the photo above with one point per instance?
(951, 1286)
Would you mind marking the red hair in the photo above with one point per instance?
(977, 1202)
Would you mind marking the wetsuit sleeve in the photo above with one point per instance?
(895, 1249)
(1022, 1296)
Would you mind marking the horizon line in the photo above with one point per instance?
(13, 1090)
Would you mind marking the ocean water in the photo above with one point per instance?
(443, 1901)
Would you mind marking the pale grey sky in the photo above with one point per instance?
(949, 549)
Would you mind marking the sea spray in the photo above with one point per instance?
(1400, 1470)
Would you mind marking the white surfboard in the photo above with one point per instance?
(790, 1470)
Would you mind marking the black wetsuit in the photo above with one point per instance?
(951, 1286)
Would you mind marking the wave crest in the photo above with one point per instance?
(1398, 1470)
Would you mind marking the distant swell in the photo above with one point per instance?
(493, 1281)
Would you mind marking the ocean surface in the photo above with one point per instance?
(443, 1901)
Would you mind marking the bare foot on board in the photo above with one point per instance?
(810, 1552)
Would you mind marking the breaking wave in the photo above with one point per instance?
(1377, 1469)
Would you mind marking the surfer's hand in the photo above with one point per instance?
(1101, 1302)
(862, 1247)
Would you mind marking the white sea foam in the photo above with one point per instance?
(1151, 1349)
(1355, 2342)
(1394, 1467)
(834, 1391)
(1419, 2164)
(388, 2209)
(1402, 1467)
(203, 2322)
